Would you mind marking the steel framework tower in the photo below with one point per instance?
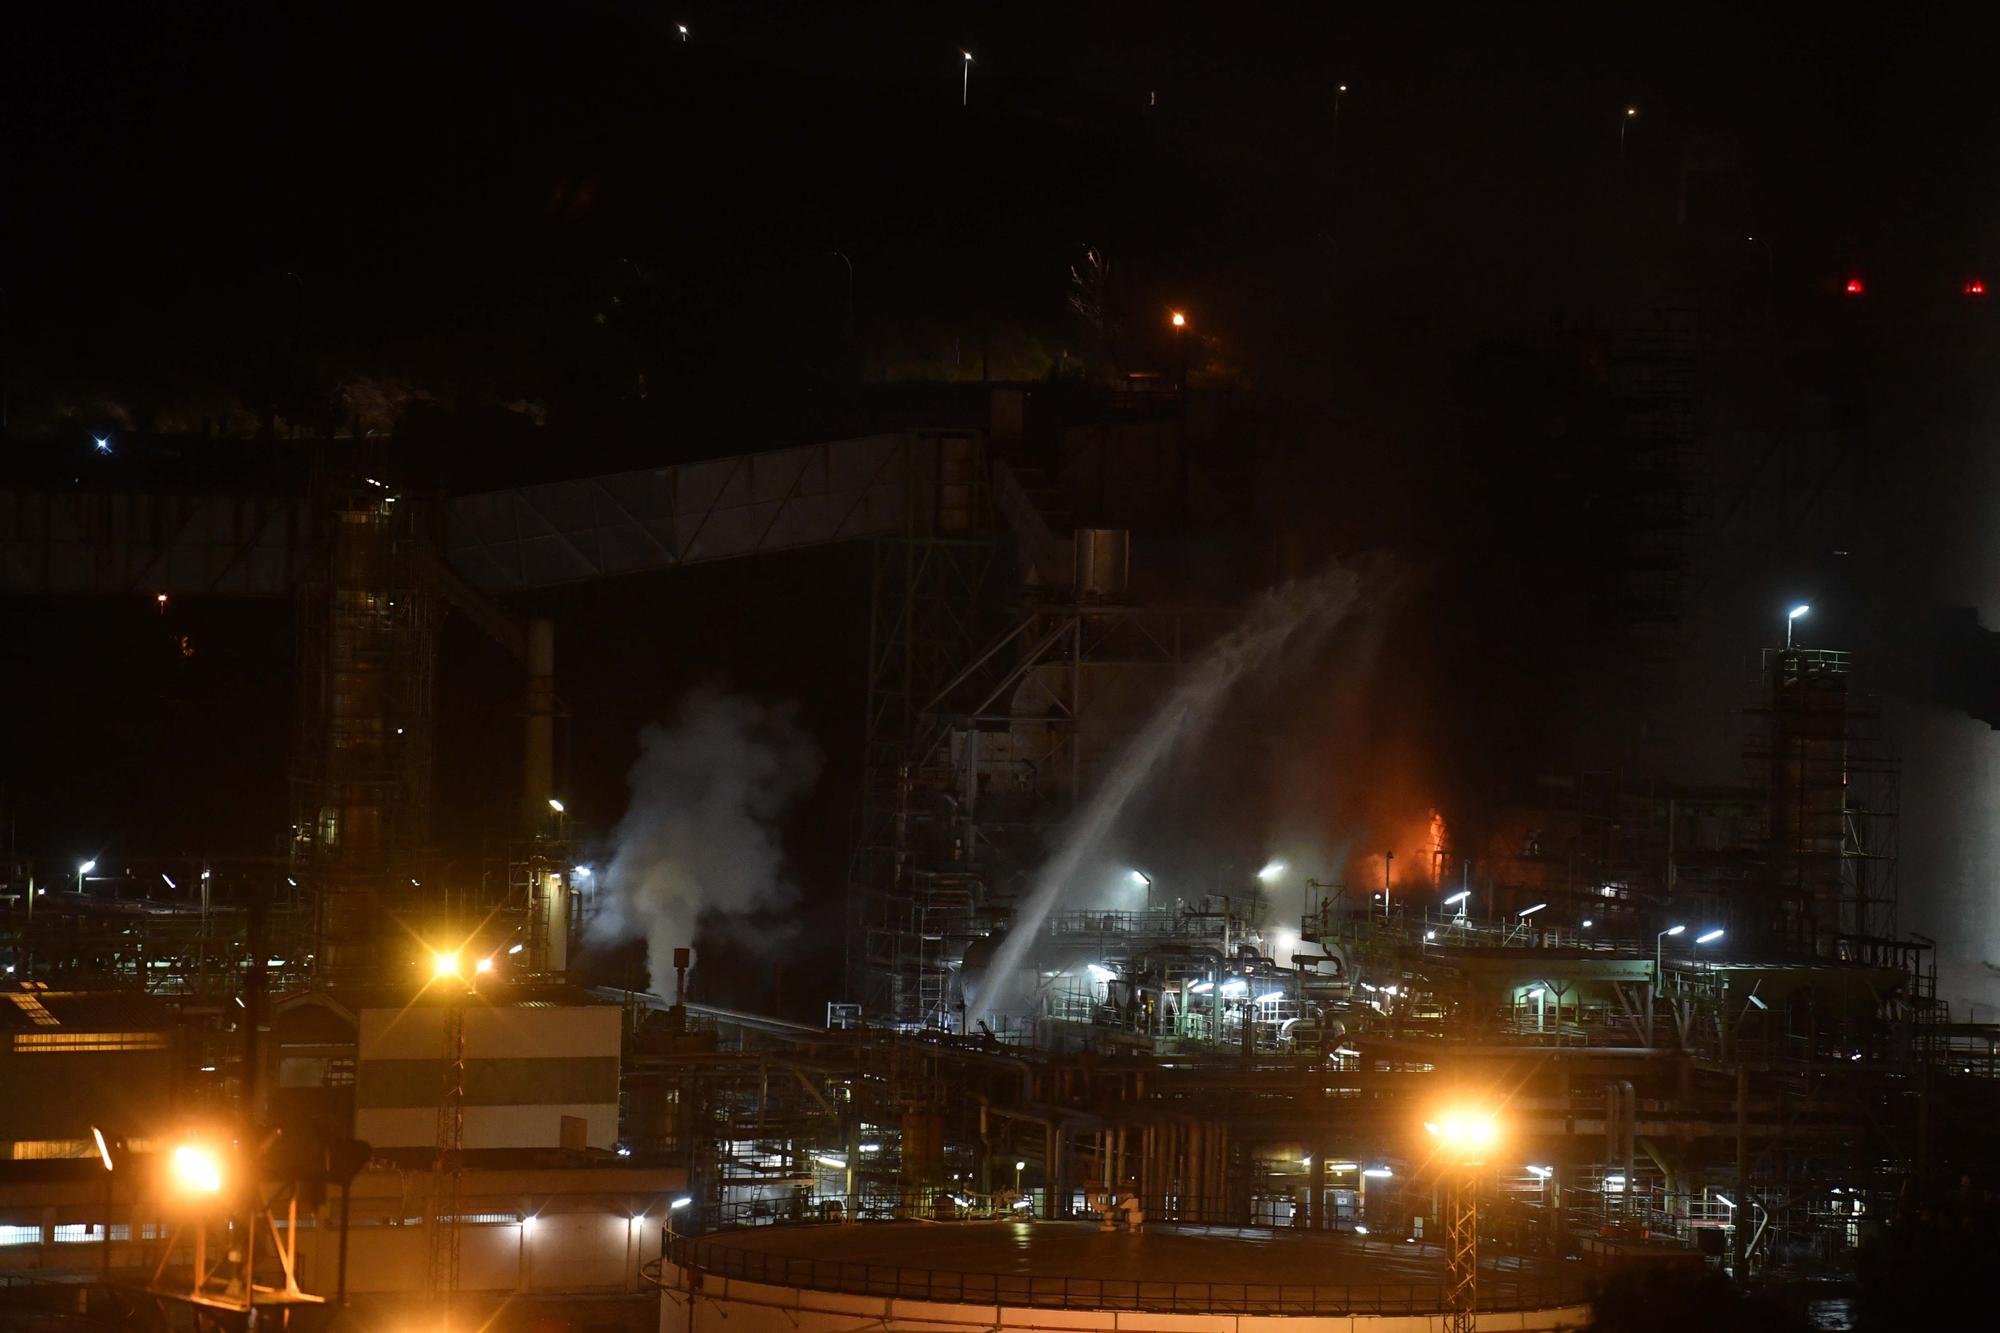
(1461, 1249)
(444, 1248)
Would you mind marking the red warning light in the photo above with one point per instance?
(1975, 287)
(1854, 287)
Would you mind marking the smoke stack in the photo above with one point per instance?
(680, 976)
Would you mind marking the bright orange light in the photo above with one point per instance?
(1465, 1134)
(1179, 320)
(483, 965)
(196, 1170)
(444, 964)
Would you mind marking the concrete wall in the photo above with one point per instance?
(589, 1230)
(726, 1306)
(552, 1252)
(527, 1066)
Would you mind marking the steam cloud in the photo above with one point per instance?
(700, 844)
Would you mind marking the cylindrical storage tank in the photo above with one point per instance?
(1103, 563)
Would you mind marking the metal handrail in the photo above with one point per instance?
(706, 1255)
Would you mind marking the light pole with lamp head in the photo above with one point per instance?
(110, 1151)
(1791, 620)
(1659, 951)
(1523, 915)
(1465, 1136)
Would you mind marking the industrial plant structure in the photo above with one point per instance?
(1686, 1007)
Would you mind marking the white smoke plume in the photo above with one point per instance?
(700, 846)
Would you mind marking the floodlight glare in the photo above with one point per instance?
(1465, 1133)
(196, 1170)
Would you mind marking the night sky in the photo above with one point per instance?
(535, 240)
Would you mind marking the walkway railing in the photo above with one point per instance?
(1497, 1291)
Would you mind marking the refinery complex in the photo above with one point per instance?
(1644, 1027)
(914, 668)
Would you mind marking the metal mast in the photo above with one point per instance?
(1461, 1248)
(450, 1152)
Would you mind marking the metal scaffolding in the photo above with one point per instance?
(367, 649)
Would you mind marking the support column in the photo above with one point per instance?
(538, 752)
(1051, 1170)
(1741, 1249)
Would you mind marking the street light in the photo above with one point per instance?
(1792, 619)
(1465, 1135)
(1530, 911)
(965, 83)
(444, 963)
(1271, 871)
(83, 868)
(556, 805)
(1659, 944)
(483, 965)
(683, 28)
(1624, 122)
(110, 1151)
(1178, 320)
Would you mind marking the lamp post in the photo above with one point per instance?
(669, 1235)
(1659, 946)
(1624, 123)
(83, 868)
(110, 1151)
(1458, 900)
(965, 81)
(1464, 1136)
(1791, 620)
(1708, 937)
(1141, 877)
